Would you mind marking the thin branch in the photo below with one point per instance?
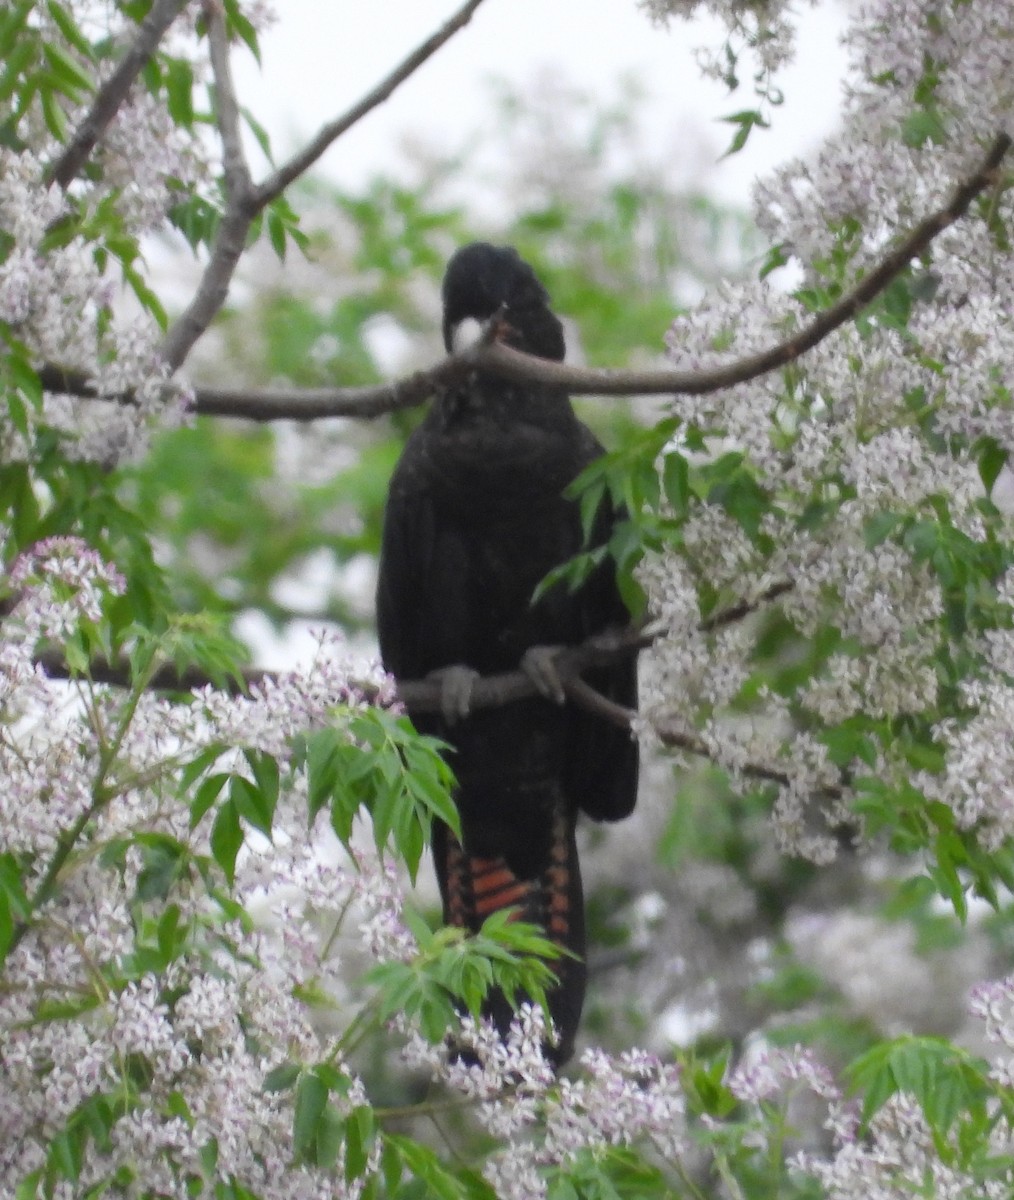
(736, 612)
(675, 738)
(241, 207)
(286, 404)
(585, 696)
(309, 404)
(238, 184)
(112, 93)
(274, 185)
(247, 200)
(167, 678)
(299, 404)
(490, 691)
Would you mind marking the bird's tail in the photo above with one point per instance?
(476, 887)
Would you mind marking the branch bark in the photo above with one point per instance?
(423, 695)
(513, 364)
(501, 359)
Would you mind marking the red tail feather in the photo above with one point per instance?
(476, 887)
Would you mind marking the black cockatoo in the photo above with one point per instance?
(475, 519)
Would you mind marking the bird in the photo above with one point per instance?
(476, 517)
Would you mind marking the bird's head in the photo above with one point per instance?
(481, 280)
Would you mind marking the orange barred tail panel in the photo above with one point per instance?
(495, 887)
(476, 887)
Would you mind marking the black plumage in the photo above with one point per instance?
(475, 519)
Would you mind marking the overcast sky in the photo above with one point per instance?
(321, 57)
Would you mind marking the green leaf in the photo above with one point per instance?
(746, 122)
(360, 1134)
(282, 1077)
(311, 1098)
(172, 934)
(276, 233)
(259, 132)
(6, 925)
(68, 27)
(240, 24)
(676, 483)
(253, 804)
(227, 838)
(206, 796)
(164, 860)
(28, 1188)
(992, 459)
(73, 78)
(439, 1181)
(390, 1164)
(15, 907)
(332, 1134)
(179, 91)
(880, 527)
(948, 1082)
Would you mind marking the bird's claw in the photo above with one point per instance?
(539, 664)
(456, 684)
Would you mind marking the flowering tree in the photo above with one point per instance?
(818, 555)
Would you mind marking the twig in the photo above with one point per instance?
(586, 697)
(736, 612)
(490, 691)
(247, 199)
(167, 678)
(678, 739)
(289, 404)
(112, 93)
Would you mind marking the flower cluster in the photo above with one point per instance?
(64, 300)
(766, 30)
(625, 1100)
(898, 1157)
(868, 460)
(153, 989)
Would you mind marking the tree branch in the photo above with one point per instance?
(167, 678)
(674, 738)
(506, 361)
(112, 93)
(423, 695)
(274, 185)
(490, 691)
(736, 612)
(245, 200)
(239, 212)
(307, 404)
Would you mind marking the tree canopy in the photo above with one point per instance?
(214, 978)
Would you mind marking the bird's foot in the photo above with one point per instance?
(539, 664)
(456, 684)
